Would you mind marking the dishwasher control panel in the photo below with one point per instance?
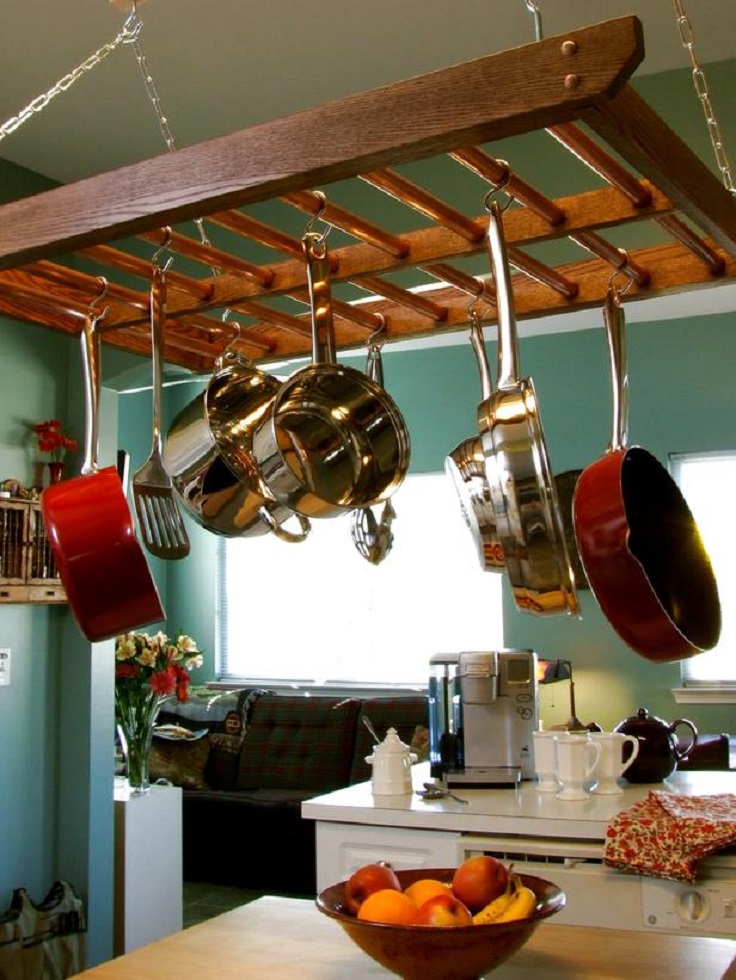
(705, 907)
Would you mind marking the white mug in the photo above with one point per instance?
(612, 764)
(545, 762)
(577, 760)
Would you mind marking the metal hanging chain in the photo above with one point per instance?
(127, 35)
(687, 36)
(163, 122)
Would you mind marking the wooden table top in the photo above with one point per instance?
(280, 938)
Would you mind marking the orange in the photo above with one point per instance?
(425, 888)
(388, 906)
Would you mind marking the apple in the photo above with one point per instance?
(366, 880)
(444, 910)
(479, 880)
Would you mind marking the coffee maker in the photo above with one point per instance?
(483, 708)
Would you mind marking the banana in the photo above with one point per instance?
(522, 903)
(491, 912)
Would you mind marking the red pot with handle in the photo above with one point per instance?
(638, 541)
(92, 536)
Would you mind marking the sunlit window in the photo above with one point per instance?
(317, 612)
(708, 481)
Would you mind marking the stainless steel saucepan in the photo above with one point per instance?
(466, 467)
(207, 456)
(333, 440)
(528, 518)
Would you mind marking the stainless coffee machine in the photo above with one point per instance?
(483, 708)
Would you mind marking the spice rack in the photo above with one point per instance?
(572, 89)
(27, 569)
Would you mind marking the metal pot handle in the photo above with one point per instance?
(90, 341)
(508, 342)
(280, 531)
(615, 322)
(479, 349)
(684, 753)
(320, 298)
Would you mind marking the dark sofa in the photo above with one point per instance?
(260, 754)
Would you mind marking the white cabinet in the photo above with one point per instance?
(148, 866)
(342, 849)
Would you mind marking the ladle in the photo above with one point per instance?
(369, 725)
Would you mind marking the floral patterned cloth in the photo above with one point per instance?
(665, 835)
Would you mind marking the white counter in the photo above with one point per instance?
(518, 810)
(554, 839)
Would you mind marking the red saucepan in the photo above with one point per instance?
(92, 535)
(638, 542)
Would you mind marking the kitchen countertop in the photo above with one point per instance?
(518, 810)
(283, 938)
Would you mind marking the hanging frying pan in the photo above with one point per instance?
(92, 534)
(638, 541)
(334, 440)
(528, 519)
(466, 467)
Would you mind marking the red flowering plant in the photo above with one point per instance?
(52, 440)
(148, 671)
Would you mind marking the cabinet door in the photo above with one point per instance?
(343, 848)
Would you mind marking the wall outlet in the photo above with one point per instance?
(4, 666)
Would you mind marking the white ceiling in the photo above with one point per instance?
(222, 65)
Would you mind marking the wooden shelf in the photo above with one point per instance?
(572, 88)
(27, 569)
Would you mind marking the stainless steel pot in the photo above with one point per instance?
(466, 467)
(528, 518)
(207, 456)
(333, 440)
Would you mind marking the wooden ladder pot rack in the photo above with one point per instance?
(555, 85)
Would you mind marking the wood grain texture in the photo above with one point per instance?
(429, 114)
(283, 938)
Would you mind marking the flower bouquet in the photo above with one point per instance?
(148, 671)
(52, 440)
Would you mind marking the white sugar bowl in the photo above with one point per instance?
(391, 760)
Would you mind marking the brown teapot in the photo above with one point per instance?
(659, 748)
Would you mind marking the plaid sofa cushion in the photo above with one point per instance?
(295, 741)
(402, 713)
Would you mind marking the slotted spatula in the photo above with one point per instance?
(159, 521)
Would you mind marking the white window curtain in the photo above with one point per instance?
(708, 482)
(317, 613)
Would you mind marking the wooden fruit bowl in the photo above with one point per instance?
(436, 953)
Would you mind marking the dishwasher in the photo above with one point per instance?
(601, 896)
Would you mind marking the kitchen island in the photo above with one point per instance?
(555, 839)
(282, 938)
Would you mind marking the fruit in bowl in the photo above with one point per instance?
(445, 946)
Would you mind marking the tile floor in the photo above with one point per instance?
(203, 900)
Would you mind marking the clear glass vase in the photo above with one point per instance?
(135, 717)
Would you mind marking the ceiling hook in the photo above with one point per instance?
(92, 310)
(378, 338)
(132, 24)
(318, 216)
(500, 186)
(623, 269)
(533, 7)
(164, 247)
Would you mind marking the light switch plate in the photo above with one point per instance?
(4, 666)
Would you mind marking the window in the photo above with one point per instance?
(708, 482)
(318, 613)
